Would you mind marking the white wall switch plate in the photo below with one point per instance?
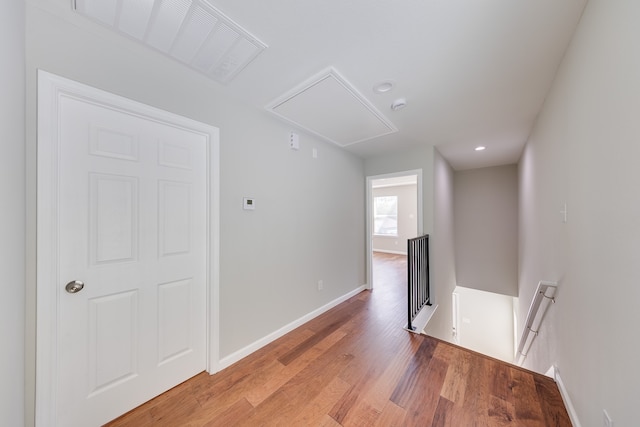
(294, 141)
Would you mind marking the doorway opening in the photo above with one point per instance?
(394, 215)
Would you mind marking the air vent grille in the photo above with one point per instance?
(190, 31)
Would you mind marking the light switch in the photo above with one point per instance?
(294, 141)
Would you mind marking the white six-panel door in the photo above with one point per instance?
(131, 223)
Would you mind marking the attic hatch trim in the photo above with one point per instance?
(367, 110)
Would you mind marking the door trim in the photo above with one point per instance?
(369, 214)
(51, 89)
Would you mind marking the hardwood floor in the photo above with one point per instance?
(355, 366)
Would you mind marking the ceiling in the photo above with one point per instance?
(472, 72)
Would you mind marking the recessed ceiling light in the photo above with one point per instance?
(399, 104)
(480, 148)
(383, 87)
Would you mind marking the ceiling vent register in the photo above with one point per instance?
(190, 31)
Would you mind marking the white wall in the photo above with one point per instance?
(443, 272)
(12, 222)
(486, 229)
(485, 322)
(584, 151)
(407, 218)
(309, 222)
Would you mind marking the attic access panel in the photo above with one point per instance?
(328, 106)
(190, 31)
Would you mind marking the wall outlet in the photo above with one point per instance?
(320, 285)
(608, 422)
(248, 204)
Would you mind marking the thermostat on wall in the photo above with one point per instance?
(249, 204)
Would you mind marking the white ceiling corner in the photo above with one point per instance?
(190, 31)
(328, 106)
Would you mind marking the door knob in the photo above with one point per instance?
(74, 286)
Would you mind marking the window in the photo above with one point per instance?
(385, 216)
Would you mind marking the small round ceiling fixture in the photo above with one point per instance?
(480, 148)
(384, 86)
(399, 104)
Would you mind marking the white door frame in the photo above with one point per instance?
(51, 89)
(369, 213)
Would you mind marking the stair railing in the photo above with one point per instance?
(541, 300)
(418, 277)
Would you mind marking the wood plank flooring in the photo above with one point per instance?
(355, 366)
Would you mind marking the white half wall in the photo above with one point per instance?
(583, 152)
(12, 214)
(485, 323)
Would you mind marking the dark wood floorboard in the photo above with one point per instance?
(355, 366)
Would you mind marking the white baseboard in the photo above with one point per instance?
(551, 372)
(386, 251)
(565, 396)
(229, 360)
(423, 317)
